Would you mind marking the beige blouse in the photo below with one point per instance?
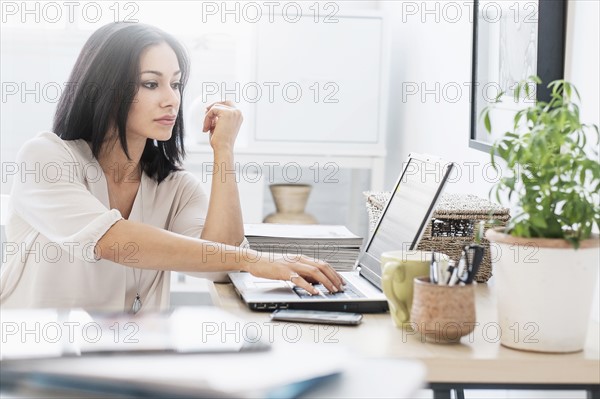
(59, 209)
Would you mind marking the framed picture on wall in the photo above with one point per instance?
(513, 40)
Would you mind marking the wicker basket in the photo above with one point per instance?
(452, 225)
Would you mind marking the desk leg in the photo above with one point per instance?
(459, 393)
(441, 394)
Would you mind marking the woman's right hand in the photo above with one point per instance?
(222, 121)
(300, 270)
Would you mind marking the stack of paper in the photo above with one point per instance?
(334, 244)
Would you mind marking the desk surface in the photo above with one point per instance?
(478, 359)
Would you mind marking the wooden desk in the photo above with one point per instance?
(479, 362)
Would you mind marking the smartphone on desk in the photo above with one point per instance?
(317, 316)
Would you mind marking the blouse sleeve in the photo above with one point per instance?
(190, 217)
(50, 196)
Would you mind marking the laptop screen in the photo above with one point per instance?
(407, 213)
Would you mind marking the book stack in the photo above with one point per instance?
(333, 244)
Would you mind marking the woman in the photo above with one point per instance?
(110, 212)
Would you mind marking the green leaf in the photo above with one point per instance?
(538, 220)
(535, 79)
(487, 123)
(568, 90)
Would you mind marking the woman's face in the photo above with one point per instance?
(156, 104)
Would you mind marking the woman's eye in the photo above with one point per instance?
(153, 85)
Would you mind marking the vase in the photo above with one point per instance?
(545, 290)
(290, 201)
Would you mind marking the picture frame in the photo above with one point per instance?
(512, 41)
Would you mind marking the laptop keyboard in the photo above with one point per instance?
(349, 292)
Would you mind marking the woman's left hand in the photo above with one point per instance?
(223, 121)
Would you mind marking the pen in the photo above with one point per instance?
(433, 277)
(454, 276)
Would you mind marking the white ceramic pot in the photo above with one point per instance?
(545, 290)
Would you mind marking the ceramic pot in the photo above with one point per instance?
(290, 202)
(544, 291)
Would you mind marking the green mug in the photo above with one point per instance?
(399, 270)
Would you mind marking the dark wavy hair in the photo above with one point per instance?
(102, 86)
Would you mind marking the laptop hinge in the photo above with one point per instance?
(370, 277)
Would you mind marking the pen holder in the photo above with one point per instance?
(442, 314)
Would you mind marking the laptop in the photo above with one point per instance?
(400, 226)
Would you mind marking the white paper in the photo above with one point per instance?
(308, 231)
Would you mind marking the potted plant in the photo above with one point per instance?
(547, 264)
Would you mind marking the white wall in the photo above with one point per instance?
(430, 49)
(582, 64)
(581, 68)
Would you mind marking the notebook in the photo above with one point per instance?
(401, 226)
(56, 333)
